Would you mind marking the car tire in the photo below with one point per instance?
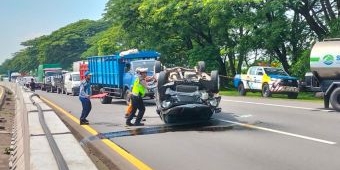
(158, 67)
(215, 85)
(293, 95)
(335, 99)
(241, 90)
(166, 118)
(265, 91)
(162, 79)
(201, 66)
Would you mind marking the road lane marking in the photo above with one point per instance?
(129, 157)
(278, 131)
(278, 105)
(242, 116)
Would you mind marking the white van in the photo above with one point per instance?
(72, 83)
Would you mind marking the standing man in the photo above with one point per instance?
(84, 97)
(32, 85)
(138, 92)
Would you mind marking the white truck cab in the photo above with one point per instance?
(72, 83)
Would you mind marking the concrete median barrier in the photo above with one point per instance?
(31, 146)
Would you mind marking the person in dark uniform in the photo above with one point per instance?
(84, 97)
(138, 92)
(32, 85)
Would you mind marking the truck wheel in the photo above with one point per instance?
(127, 96)
(293, 95)
(215, 81)
(335, 99)
(241, 90)
(58, 90)
(106, 100)
(72, 92)
(265, 91)
(158, 67)
(201, 66)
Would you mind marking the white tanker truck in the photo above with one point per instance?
(325, 66)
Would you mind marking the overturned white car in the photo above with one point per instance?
(186, 94)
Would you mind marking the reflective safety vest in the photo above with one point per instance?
(138, 89)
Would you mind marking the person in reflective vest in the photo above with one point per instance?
(138, 92)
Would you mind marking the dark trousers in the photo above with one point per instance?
(137, 103)
(86, 103)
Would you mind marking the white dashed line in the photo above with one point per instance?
(278, 105)
(279, 132)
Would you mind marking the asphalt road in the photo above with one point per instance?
(250, 133)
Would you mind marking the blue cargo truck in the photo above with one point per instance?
(115, 74)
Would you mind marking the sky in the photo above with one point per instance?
(21, 20)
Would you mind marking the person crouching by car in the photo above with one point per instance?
(84, 97)
(138, 92)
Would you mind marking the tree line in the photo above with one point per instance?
(228, 35)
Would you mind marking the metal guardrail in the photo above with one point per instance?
(42, 144)
(54, 147)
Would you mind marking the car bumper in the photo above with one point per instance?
(76, 89)
(188, 109)
(284, 89)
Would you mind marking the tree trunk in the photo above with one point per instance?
(231, 57)
(282, 55)
(312, 23)
(330, 9)
(325, 11)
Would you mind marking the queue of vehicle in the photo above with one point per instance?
(179, 91)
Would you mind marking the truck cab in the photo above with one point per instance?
(50, 79)
(267, 80)
(130, 75)
(72, 83)
(114, 75)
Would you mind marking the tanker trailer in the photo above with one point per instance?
(325, 66)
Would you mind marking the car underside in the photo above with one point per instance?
(187, 94)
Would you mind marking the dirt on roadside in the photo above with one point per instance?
(6, 121)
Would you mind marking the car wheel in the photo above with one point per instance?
(241, 90)
(265, 91)
(165, 118)
(162, 79)
(293, 95)
(158, 67)
(335, 99)
(201, 66)
(215, 81)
